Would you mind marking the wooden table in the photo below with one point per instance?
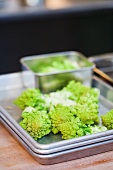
(14, 157)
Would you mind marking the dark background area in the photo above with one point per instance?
(88, 30)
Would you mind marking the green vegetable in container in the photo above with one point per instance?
(75, 129)
(30, 97)
(64, 121)
(55, 72)
(72, 111)
(107, 119)
(70, 125)
(54, 64)
(78, 89)
(35, 122)
(60, 114)
(96, 129)
(87, 109)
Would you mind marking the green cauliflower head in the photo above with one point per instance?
(30, 97)
(107, 119)
(78, 89)
(74, 128)
(87, 110)
(60, 114)
(35, 122)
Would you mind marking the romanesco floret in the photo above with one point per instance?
(87, 101)
(78, 89)
(107, 119)
(30, 97)
(96, 129)
(60, 114)
(73, 128)
(72, 111)
(87, 110)
(35, 122)
(65, 121)
(76, 128)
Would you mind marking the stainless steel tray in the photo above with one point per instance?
(65, 155)
(53, 143)
(50, 143)
(78, 144)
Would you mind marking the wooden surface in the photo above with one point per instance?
(14, 157)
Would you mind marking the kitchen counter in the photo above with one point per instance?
(13, 156)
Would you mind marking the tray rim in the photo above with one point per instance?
(60, 149)
(55, 144)
(59, 143)
(44, 159)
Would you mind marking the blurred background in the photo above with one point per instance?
(52, 4)
(30, 27)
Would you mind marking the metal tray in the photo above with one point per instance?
(53, 143)
(65, 155)
(51, 81)
(77, 144)
(50, 143)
